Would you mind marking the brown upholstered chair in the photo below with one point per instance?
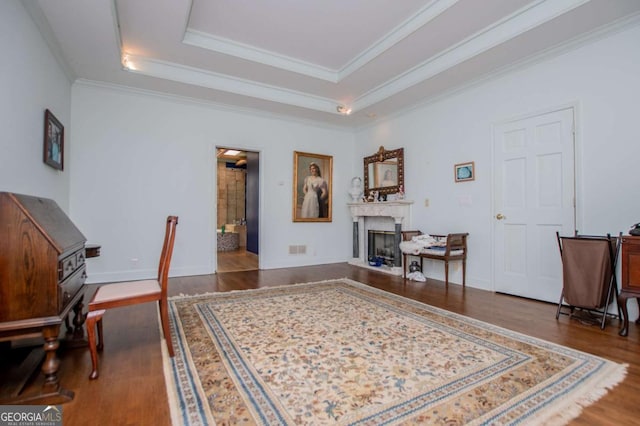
(456, 249)
(131, 293)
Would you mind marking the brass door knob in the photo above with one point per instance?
(500, 216)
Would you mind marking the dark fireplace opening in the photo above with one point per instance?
(380, 244)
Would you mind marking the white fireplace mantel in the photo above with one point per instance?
(399, 210)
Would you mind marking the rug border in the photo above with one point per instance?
(561, 410)
(170, 383)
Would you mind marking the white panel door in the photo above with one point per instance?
(534, 183)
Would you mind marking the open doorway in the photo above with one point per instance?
(237, 244)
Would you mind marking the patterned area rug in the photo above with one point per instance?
(340, 352)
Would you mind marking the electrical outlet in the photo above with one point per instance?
(426, 202)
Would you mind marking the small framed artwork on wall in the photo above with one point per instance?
(464, 172)
(53, 141)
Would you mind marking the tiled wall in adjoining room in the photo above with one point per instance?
(231, 194)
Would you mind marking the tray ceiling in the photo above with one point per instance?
(305, 59)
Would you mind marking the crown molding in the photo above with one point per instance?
(186, 100)
(199, 77)
(255, 54)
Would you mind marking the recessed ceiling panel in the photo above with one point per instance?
(328, 33)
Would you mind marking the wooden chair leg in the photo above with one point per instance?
(404, 266)
(92, 318)
(164, 318)
(464, 272)
(100, 336)
(446, 273)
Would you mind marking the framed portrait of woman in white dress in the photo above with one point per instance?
(312, 182)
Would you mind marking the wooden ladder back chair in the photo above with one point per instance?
(456, 249)
(132, 293)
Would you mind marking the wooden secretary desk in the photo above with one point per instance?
(42, 275)
(630, 275)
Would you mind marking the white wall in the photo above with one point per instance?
(139, 157)
(602, 79)
(31, 81)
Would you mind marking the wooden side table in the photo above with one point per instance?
(630, 277)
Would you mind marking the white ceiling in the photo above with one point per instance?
(303, 58)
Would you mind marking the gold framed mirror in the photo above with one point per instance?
(384, 171)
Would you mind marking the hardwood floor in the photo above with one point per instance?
(237, 260)
(131, 387)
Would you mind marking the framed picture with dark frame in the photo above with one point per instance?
(464, 172)
(312, 183)
(53, 141)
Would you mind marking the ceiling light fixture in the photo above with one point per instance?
(126, 63)
(231, 152)
(343, 110)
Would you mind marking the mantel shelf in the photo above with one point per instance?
(398, 209)
(373, 203)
